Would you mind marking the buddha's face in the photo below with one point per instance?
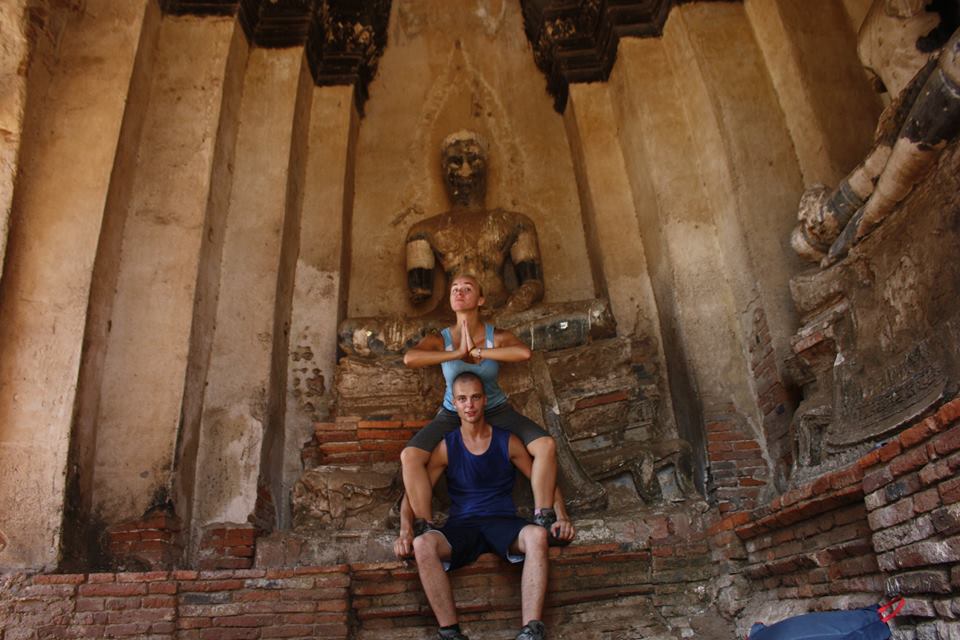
(465, 172)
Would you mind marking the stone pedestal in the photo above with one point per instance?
(598, 396)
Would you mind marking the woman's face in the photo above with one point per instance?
(465, 294)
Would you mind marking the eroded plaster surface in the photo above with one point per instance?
(66, 157)
(148, 347)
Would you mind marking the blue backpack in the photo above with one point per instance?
(859, 624)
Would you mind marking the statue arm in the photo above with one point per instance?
(525, 253)
(420, 264)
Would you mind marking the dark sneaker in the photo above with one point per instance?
(454, 634)
(421, 526)
(533, 630)
(546, 519)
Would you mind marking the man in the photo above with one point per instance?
(472, 239)
(480, 462)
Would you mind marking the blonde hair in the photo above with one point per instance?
(469, 276)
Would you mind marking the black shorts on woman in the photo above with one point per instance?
(501, 414)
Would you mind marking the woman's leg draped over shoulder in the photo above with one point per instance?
(541, 446)
(414, 458)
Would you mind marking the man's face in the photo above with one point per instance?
(469, 400)
(465, 171)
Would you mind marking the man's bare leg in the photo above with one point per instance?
(430, 549)
(416, 481)
(543, 476)
(532, 542)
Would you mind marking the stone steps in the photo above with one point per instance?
(645, 574)
(595, 591)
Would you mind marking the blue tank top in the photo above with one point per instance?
(487, 370)
(480, 485)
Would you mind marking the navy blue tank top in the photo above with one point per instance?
(480, 485)
(487, 371)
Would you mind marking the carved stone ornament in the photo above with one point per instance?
(348, 496)
(576, 41)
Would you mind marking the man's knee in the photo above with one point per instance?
(545, 447)
(425, 546)
(414, 456)
(534, 537)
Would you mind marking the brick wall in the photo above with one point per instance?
(148, 543)
(653, 587)
(227, 547)
(772, 397)
(887, 525)
(355, 440)
(737, 469)
(912, 488)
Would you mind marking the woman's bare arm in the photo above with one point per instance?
(506, 348)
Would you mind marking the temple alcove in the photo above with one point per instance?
(195, 196)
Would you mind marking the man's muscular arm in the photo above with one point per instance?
(420, 264)
(525, 253)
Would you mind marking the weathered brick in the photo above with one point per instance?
(949, 412)
(918, 607)
(918, 582)
(889, 451)
(947, 442)
(148, 576)
(229, 634)
(126, 630)
(949, 491)
(926, 500)
(246, 620)
(890, 515)
(876, 479)
(927, 552)
(211, 585)
(920, 432)
(911, 531)
(902, 486)
(946, 520)
(60, 578)
(875, 499)
(108, 589)
(909, 461)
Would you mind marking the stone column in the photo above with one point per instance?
(831, 110)
(319, 296)
(14, 55)
(155, 264)
(70, 137)
(248, 357)
(753, 178)
(610, 218)
(678, 225)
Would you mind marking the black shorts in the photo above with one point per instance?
(468, 539)
(504, 417)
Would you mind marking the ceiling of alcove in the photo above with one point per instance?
(572, 40)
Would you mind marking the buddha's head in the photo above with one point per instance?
(463, 157)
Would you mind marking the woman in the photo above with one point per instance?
(471, 345)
